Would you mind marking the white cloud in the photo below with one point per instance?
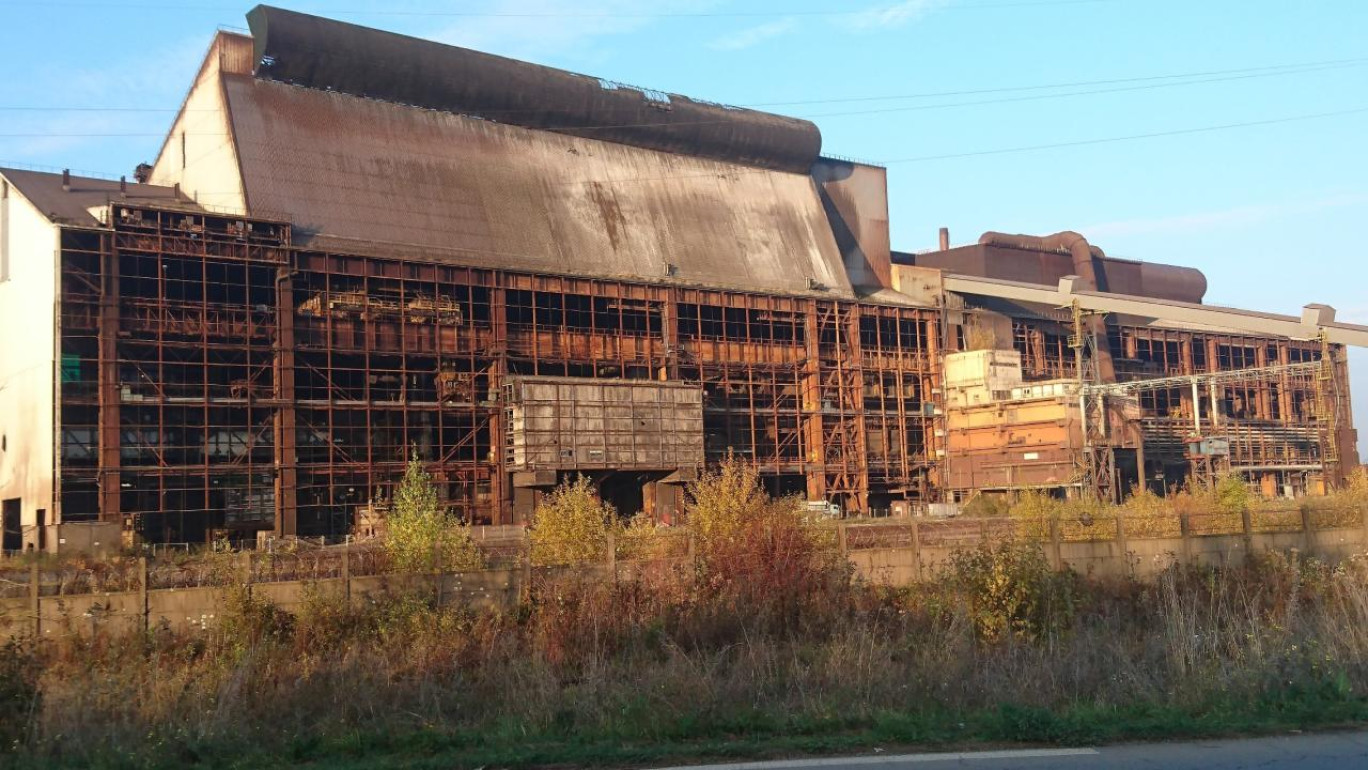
(890, 15)
(1239, 215)
(751, 36)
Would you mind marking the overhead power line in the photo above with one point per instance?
(1124, 84)
(1334, 65)
(1273, 69)
(1130, 137)
(874, 10)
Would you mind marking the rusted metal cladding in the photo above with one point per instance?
(1013, 444)
(855, 196)
(1119, 276)
(568, 423)
(361, 175)
(331, 55)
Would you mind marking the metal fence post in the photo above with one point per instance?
(1056, 544)
(246, 559)
(1121, 543)
(1247, 524)
(1365, 525)
(1185, 532)
(346, 571)
(916, 548)
(35, 600)
(527, 567)
(437, 571)
(1308, 528)
(143, 609)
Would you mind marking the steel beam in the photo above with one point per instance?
(1315, 319)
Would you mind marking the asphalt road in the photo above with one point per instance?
(1331, 751)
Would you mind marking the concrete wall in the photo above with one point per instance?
(199, 153)
(28, 308)
(55, 617)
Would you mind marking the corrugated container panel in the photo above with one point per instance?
(642, 425)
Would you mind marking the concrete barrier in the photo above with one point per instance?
(48, 614)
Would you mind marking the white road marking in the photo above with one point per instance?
(897, 759)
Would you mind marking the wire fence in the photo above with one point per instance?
(180, 566)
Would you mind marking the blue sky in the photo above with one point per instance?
(1272, 213)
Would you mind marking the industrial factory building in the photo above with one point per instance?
(355, 246)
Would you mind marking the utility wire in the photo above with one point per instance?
(730, 173)
(1130, 137)
(1185, 78)
(846, 113)
(874, 10)
(1310, 66)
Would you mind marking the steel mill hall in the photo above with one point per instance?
(355, 247)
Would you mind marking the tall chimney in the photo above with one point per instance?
(66, 180)
(123, 186)
(944, 238)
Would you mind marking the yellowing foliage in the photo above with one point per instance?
(721, 502)
(572, 527)
(422, 535)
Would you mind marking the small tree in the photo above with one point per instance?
(721, 502)
(760, 558)
(572, 526)
(421, 531)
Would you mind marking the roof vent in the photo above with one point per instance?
(66, 180)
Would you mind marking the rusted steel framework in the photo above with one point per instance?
(217, 381)
(1282, 422)
(170, 375)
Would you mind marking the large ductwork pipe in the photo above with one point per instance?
(1074, 243)
(1083, 254)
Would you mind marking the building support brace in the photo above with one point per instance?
(286, 477)
(108, 366)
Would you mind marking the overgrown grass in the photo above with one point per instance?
(763, 645)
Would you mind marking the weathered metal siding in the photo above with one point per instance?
(366, 176)
(592, 424)
(327, 55)
(855, 197)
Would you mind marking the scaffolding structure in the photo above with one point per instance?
(218, 381)
(1277, 406)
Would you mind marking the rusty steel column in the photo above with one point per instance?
(669, 332)
(855, 365)
(815, 459)
(108, 386)
(286, 472)
(499, 483)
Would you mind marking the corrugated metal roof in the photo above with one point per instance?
(361, 175)
(72, 207)
(330, 55)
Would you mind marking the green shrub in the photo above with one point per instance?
(721, 502)
(19, 694)
(1012, 592)
(572, 526)
(422, 535)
